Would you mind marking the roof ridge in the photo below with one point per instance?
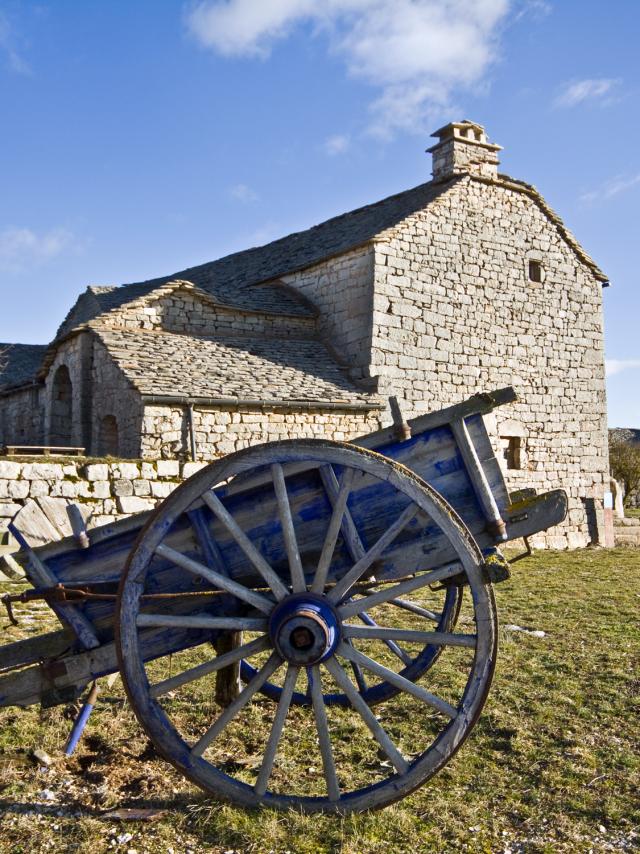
(533, 192)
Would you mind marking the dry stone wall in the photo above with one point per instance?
(111, 489)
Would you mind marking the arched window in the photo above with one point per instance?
(61, 408)
(108, 437)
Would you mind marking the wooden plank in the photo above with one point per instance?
(35, 528)
(41, 576)
(479, 480)
(26, 687)
(34, 649)
(55, 509)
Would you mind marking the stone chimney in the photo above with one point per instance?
(463, 147)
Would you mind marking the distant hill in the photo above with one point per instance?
(625, 434)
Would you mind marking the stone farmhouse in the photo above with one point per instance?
(466, 283)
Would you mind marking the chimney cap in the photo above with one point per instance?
(467, 132)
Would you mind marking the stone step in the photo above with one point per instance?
(627, 522)
(627, 536)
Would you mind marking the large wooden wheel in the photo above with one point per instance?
(303, 634)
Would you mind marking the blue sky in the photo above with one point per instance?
(140, 137)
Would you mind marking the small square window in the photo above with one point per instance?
(512, 451)
(535, 271)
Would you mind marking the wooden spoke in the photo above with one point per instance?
(298, 582)
(352, 654)
(247, 649)
(245, 593)
(210, 549)
(276, 730)
(203, 621)
(270, 576)
(416, 609)
(267, 670)
(385, 633)
(395, 757)
(404, 657)
(349, 530)
(335, 525)
(324, 739)
(359, 676)
(390, 592)
(346, 582)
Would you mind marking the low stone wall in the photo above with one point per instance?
(111, 489)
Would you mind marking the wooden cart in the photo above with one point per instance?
(322, 579)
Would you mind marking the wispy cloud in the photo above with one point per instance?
(243, 193)
(22, 248)
(615, 366)
(337, 144)
(416, 53)
(601, 90)
(8, 47)
(611, 188)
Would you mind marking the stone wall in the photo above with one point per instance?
(70, 357)
(165, 430)
(111, 489)
(114, 396)
(182, 311)
(455, 313)
(21, 417)
(341, 288)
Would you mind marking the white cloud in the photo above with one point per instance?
(243, 193)
(8, 47)
(417, 53)
(601, 90)
(612, 188)
(615, 366)
(336, 144)
(21, 248)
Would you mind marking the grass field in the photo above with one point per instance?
(552, 765)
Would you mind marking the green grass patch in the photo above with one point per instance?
(552, 765)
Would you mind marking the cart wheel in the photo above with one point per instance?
(431, 610)
(304, 631)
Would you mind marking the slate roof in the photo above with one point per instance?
(19, 364)
(246, 279)
(237, 279)
(168, 364)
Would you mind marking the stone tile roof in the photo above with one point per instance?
(19, 364)
(245, 279)
(166, 364)
(532, 192)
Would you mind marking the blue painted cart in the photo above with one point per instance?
(293, 597)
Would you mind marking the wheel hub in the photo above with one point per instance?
(305, 629)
